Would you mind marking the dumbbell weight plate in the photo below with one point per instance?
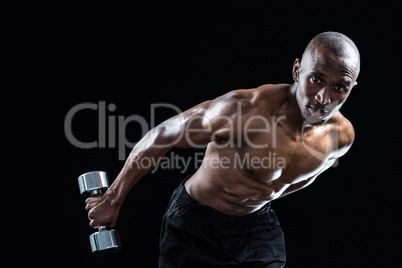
(105, 241)
(93, 182)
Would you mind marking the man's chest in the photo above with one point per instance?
(288, 157)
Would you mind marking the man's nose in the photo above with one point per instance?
(323, 96)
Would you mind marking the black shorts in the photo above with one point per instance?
(194, 235)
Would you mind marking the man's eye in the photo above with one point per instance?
(315, 79)
(340, 88)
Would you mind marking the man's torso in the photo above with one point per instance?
(258, 155)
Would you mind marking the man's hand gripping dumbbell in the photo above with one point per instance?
(93, 185)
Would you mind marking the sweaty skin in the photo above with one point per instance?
(263, 143)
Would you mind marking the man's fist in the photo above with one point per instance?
(101, 211)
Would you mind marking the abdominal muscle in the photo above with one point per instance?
(232, 191)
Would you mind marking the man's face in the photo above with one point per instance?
(324, 83)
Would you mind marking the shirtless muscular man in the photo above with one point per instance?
(221, 215)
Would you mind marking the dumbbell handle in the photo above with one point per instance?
(97, 191)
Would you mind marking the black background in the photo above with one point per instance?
(135, 55)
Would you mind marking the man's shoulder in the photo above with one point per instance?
(267, 93)
(346, 132)
(262, 100)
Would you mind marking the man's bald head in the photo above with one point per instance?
(325, 76)
(339, 44)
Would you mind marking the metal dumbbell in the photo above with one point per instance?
(104, 241)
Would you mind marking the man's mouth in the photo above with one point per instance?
(317, 111)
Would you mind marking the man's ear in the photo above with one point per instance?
(296, 70)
